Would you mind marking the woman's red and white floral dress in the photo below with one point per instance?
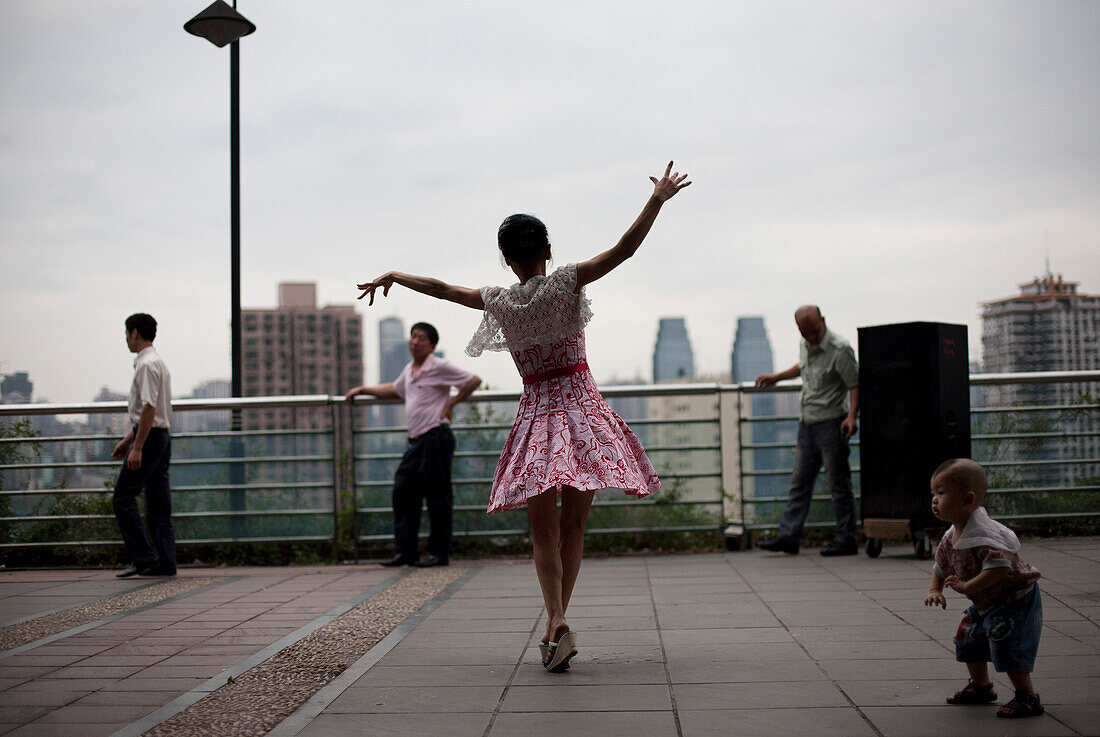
(565, 434)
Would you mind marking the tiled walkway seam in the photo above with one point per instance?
(664, 654)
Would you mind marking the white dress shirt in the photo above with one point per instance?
(153, 386)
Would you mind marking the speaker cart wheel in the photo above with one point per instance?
(922, 546)
(874, 547)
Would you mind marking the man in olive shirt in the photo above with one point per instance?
(830, 403)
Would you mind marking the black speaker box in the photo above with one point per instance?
(914, 395)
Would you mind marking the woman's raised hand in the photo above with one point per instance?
(668, 185)
(385, 282)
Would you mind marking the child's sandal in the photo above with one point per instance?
(1023, 705)
(974, 694)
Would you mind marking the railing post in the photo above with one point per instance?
(337, 476)
(352, 480)
(733, 497)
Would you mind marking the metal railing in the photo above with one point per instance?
(724, 465)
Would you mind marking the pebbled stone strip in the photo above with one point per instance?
(254, 702)
(33, 631)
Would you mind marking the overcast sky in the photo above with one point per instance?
(890, 161)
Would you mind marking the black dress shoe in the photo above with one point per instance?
(836, 548)
(430, 561)
(133, 571)
(398, 560)
(779, 545)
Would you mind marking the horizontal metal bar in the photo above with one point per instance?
(175, 515)
(591, 531)
(634, 503)
(1033, 408)
(228, 435)
(1036, 436)
(197, 541)
(1049, 462)
(181, 489)
(181, 462)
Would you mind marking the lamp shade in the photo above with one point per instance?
(219, 24)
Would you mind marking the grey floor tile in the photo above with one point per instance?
(910, 668)
(434, 675)
(744, 671)
(1076, 691)
(900, 649)
(901, 691)
(583, 724)
(738, 651)
(954, 721)
(724, 636)
(809, 722)
(1085, 718)
(583, 673)
(556, 697)
(604, 655)
(418, 699)
(453, 655)
(397, 725)
(756, 695)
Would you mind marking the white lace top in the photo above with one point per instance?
(542, 310)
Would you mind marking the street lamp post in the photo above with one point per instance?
(221, 24)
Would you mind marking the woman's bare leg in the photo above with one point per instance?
(575, 506)
(545, 538)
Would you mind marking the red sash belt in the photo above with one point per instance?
(556, 373)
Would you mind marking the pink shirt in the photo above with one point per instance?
(426, 392)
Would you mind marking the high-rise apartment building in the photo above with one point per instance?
(299, 348)
(393, 354)
(752, 351)
(752, 356)
(673, 359)
(1048, 326)
(16, 388)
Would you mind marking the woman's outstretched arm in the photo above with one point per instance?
(425, 285)
(663, 189)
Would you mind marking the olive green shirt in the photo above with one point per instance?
(829, 371)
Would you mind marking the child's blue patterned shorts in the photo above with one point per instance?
(1008, 635)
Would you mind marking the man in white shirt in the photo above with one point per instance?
(147, 450)
(425, 469)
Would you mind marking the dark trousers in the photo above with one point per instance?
(424, 473)
(152, 477)
(820, 443)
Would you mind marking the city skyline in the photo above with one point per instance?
(889, 162)
(393, 356)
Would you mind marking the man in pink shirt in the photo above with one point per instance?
(425, 469)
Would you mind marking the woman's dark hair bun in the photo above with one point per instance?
(521, 238)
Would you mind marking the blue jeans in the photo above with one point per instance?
(820, 443)
(1008, 635)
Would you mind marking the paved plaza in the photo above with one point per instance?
(742, 643)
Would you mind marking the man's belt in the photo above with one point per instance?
(555, 373)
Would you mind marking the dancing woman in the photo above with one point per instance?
(566, 440)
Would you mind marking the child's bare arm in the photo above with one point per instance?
(983, 580)
(464, 296)
(935, 593)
